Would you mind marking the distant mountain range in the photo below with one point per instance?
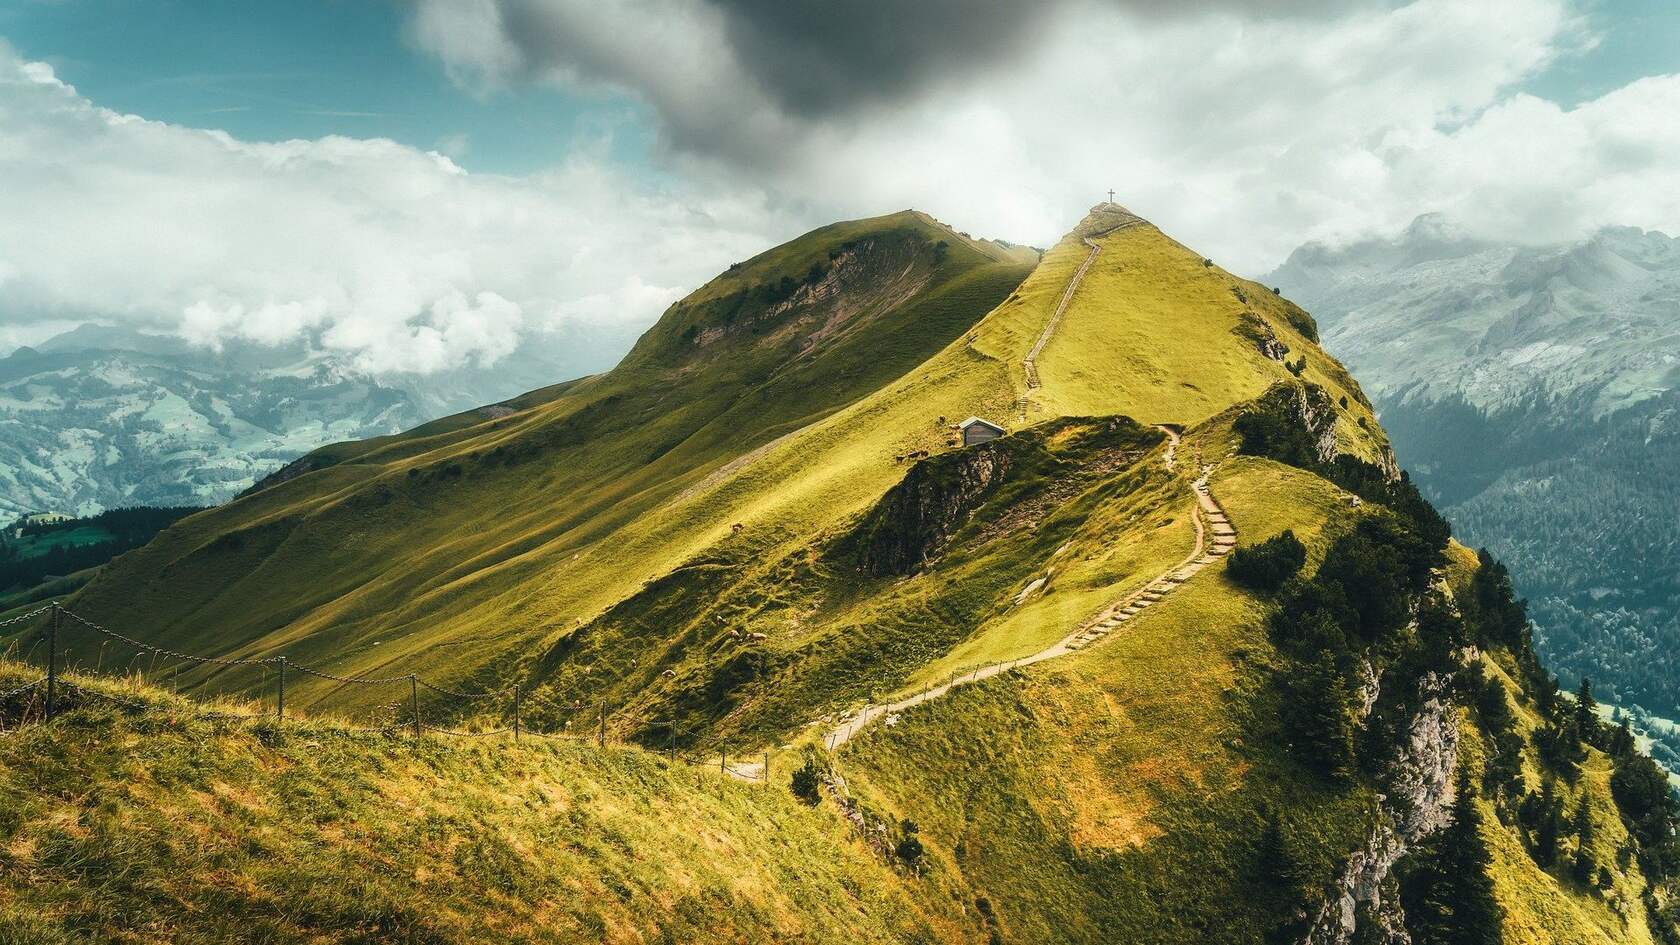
(104, 417)
(1532, 391)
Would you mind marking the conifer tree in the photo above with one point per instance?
(1585, 868)
(1586, 713)
(1548, 827)
(1448, 894)
(1318, 716)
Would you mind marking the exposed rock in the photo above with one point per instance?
(1369, 689)
(1418, 803)
(1420, 782)
(1259, 333)
(912, 522)
(1292, 422)
(1359, 893)
(1318, 415)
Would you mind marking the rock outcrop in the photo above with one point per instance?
(913, 521)
(1258, 332)
(1417, 803)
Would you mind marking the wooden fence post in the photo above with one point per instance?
(766, 767)
(280, 704)
(601, 734)
(414, 701)
(517, 693)
(52, 660)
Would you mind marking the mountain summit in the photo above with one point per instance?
(1180, 656)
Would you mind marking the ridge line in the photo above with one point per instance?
(1029, 364)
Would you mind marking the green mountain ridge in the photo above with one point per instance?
(762, 524)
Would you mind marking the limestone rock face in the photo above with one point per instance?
(1418, 803)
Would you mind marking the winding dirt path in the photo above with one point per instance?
(1215, 537)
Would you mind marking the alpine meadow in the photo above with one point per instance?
(693, 582)
(875, 581)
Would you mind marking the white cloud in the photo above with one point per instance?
(1242, 132)
(1243, 135)
(393, 257)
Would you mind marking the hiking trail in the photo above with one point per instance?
(1215, 537)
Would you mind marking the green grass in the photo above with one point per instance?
(600, 543)
(453, 550)
(671, 545)
(1150, 334)
(1546, 906)
(157, 824)
(1116, 794)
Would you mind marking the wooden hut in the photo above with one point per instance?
(976, 430)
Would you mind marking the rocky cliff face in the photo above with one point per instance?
(912, 522)
(1318, 417)
(1419, 798)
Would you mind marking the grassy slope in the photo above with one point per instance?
(1115, 795)
(1149, 335)
(1547, 906)
(1541, 906)
(156, 824)
(450, 549)
(1112, 795)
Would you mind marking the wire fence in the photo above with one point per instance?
(405, 715)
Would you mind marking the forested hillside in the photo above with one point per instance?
(1535, 403)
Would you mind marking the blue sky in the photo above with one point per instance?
(304, 69)
(308, 68)
(1636, 38)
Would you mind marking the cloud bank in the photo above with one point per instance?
(394, 258)
(1245, 128)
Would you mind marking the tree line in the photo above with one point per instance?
(28, 555)
(1373, 611)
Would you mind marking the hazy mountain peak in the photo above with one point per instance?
(1497, 324)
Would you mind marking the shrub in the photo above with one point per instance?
(1267, 565)
(807, 781)
(909, 848)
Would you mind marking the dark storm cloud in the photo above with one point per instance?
(820, 57)
(817, 58)
(750, 80)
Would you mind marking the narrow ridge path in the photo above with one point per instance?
(1029, 364)
(1215, 537)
